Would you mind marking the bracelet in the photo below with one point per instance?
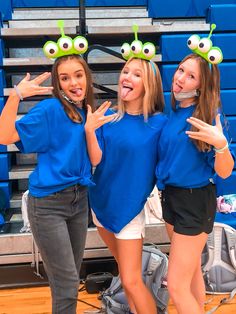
(221, 150)
(18, 92)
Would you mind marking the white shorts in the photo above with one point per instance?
(135, 229)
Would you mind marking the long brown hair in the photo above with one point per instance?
(208, 101)
(70, 108)
(153, 100)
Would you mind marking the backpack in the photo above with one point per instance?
(154, 270)
(219, 262)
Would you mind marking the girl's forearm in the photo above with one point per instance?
(224, 163)
(8, 132)
(94, 150)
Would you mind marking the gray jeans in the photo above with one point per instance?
(59, 225)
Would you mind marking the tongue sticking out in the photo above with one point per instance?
(78, 92)
(177, 88)
(125, 91)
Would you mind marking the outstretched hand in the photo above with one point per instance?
(211, 134)
(96, 119)
(29, 87)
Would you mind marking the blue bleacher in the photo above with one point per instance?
(181, 8)
(2, 82)
(223, 15)
(6, 187)
(227, 73)
(228, 99)
(75, 3)
(4, 166)
(6, 9)
(174, 47)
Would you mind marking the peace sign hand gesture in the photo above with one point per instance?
(211, 134)
(27, 88)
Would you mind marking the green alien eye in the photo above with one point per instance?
(50, 49)
(125, 50)
(136, 46)
(65, 43)
(149, 50)
(204, 45)
(215, 55)
(193, 42)
(80, 44)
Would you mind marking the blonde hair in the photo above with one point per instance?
(153, 99)
(208, 101)
(69, 108)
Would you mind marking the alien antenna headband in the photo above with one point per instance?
(137, 49)
(204, 47)
(65, 45)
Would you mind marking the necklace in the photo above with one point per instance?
(137, 112)
(77, 104)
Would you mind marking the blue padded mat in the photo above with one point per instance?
(229, 219)
(223, 15)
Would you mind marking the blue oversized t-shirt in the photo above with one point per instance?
(60, 145)
(125, 176)
(181, 164)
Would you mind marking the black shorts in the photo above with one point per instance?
(190, 211)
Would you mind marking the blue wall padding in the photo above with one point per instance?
(223, 15)
(226, 186)
(227, 75)
(228, 100)
(4, 166)
(75, 3)
(6, 188)
(2, 82)
(167, 72)
(174, 48)
(167, 97)
(6, 9)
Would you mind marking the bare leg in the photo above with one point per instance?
(184, 259)
(109, 239)
(198, 287)
(130, 266)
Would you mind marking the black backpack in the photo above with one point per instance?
(154, 270)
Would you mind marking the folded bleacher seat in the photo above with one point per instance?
(173, 47)
(6, 188)
(75, 3)
(6, 10)
(223, 15)
(4, 166)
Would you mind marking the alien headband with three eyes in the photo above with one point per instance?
(204, 48)
(65, 45)
(137, 49)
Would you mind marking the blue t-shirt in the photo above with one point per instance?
(60, 145)
(125, 176)
(181, 163)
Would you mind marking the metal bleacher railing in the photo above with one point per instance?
(167, 24)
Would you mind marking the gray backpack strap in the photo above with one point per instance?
(113, 305)
(231, 239)
(210, 249)
(223, 301)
